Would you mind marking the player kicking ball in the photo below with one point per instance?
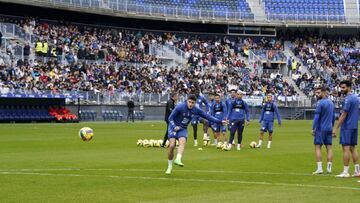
(178, 121)
(322, 128)
(267, 118)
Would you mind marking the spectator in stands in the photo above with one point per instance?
(45, 48)
(1, 38)
(38, 48)
(289, 66)
(26, 51)
(131, 107)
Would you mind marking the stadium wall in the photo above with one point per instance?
(156, 112)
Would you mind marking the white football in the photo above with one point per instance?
(252, 144)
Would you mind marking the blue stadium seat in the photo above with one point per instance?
(307, 9)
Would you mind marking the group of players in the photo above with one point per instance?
(324, 128)
(234, 112)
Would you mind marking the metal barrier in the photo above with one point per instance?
(121, 97)
(16, 31)
(171, 11)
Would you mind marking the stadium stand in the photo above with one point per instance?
(224, 8)
(328, 60)
(315, 10)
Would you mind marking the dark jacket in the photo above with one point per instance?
(170, 105)
(131, 104)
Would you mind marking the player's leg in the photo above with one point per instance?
(270, 126)
(261, 136)
(194, 125)
(166, 135)
(205, 129)
(346, 160)
(181, 148)
(354, 153)
(224, 135)
(240, 133)
(216, 130)
(327, 140)
(330, 156)
(345, 141)
(318, 159)
(355, 158)
(233, 128)
(172, 145)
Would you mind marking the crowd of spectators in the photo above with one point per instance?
(329, 60)
(88, 58)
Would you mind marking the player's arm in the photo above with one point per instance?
(229, 110)
(212, 112)
(224, 109)
(262, 114)
(173, 114)
(277, 114)
(247, 113)
(208, 117)
(207, 107)
(346, 109)
(316, 118)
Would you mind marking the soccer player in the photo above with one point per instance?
(219, 111)
(267, 118)
(349, 129)
(200, 102)
(178, 121)
(211, 104)
(231, 99)
(238, 112)
(170, 105)
(228, 102)
(322, 128)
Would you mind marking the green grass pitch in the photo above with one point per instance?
(49, 163)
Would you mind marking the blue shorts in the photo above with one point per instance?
(218, 127)
(348, 137)
(267, 126)
(180, 133)
(323, 138)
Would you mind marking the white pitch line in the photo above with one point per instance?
(160, 170)
(185, 180)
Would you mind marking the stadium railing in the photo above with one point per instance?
(16, 31)
(126, 7)
(121, 98)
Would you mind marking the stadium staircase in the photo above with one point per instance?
(257, 9)
(351, 11)
(170, 55)
(297, 114)
(288, 53)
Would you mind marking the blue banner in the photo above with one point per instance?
(25, 95)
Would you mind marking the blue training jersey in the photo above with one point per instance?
(201, 102)
(211, 104)
(228, 103)
(238, 110)
(324, 116)
(219, 110)
(182, 115)
(269, 111)
(351, 106)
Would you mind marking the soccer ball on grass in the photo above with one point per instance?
(86, 133)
